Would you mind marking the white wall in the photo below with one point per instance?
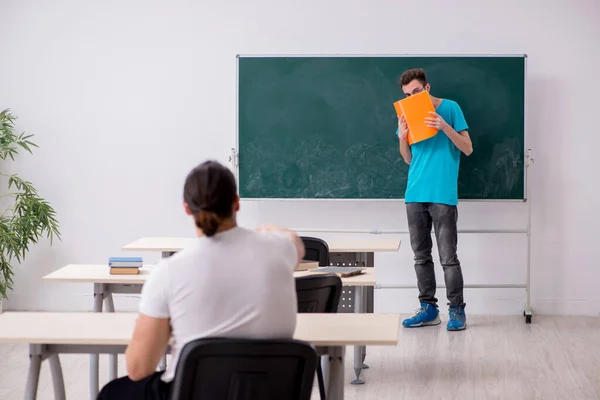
(124, 97)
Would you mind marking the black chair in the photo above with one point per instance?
(316, 250)
(241, 369)
(319, 294)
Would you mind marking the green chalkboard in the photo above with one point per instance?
(324, 127)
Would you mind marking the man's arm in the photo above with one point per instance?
(403, 138)
(405, 151)
(147, 346)
(152, 326)
(293, 237)
(461, 139)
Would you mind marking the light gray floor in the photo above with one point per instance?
(496, 358)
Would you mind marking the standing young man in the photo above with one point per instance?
(431, 199)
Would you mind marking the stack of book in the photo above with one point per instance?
(125, 265)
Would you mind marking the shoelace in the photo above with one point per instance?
(419, 311)
(454, 313)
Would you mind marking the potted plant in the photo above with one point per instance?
(26, 217)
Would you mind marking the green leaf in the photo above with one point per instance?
(30, 217)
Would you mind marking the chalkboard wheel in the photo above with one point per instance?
(528, 319)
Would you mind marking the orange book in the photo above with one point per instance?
(415, 109)
(125, 271)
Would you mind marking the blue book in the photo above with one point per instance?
(125, 262)
(125, 259)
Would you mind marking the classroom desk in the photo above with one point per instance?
(132, 284)
(50, 334)
(172, 245)
(106, 284)
(343, 252)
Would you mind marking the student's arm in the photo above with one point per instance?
(460, 139)
(403, 139)
(152, 328)
(301, 251)
(459, 136)
(405, 151)
(147, 346)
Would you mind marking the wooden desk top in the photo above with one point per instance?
(366, 279)
(100, 273)
(95, 273)
(335, 245)
(116, 328)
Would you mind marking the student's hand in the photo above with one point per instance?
(402, 128)
(435, 121)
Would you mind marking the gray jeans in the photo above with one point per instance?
(443, 218)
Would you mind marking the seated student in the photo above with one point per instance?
(230, 282)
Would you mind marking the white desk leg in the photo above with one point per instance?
(57, 377)
(325, 367)
(365, 298)
(33, 376)
(335, 388)
(359, 304)
(367, 258)
(113, 367)
(95, 358)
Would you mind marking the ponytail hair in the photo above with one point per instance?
(208, 222)
(210, 192)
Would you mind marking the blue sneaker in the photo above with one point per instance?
(427, 315)
(458, 319)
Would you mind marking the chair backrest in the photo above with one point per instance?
(240, 369)
(316, 250)
(319, 293)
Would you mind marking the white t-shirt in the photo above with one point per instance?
(237, 284)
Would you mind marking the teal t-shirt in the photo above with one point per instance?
(433, 170)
